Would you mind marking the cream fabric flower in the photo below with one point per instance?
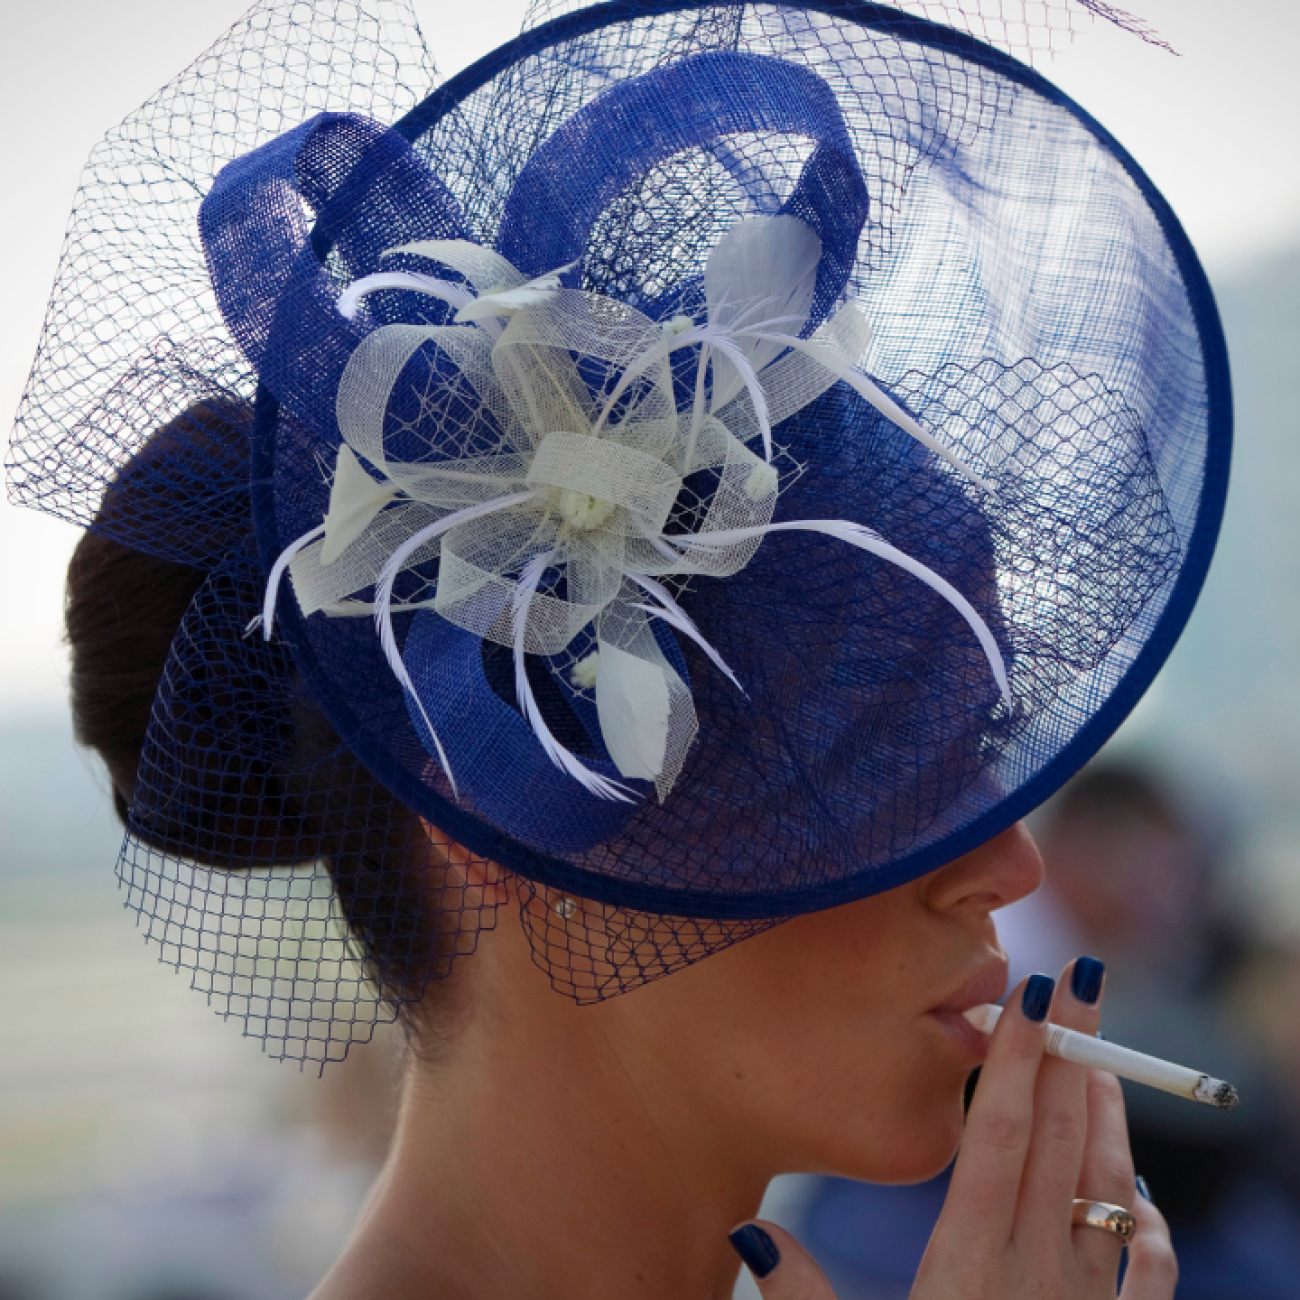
(579, 513)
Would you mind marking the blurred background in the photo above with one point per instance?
(147, 1152)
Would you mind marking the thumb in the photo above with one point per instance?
(780, 1265)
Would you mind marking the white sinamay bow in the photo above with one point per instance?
(571, 484)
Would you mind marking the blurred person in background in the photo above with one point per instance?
(1137, 874)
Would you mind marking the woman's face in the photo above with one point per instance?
(834, 1042)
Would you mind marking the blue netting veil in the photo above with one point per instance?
(710, 462)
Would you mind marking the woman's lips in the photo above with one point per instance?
(967, 1038)
(988, 984)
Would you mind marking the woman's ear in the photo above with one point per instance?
(485, 883)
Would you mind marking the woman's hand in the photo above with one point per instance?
(1040, 1133)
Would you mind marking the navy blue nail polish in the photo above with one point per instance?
(1085, 980)
(1143, 1190)
(756, 1249)
(1037, 997)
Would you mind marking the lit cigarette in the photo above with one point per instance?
(1101, 1055)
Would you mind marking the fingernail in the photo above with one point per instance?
(1037, 997)
(1085, 979)
(1143, 1190)
(756, 1249)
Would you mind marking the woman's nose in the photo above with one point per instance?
(999, 872)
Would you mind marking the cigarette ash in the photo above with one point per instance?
(1214, 1092)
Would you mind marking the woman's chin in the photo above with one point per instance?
(914, 1150)
(936, 1160)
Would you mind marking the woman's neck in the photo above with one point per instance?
(550, 1160)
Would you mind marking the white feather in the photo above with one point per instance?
(277, 574)
(868, 539)
(768, 260)
(878, 398)
(713, 337)
(503, 302)
(455, 294)
(675, 616)
(482, 267)
(592, 782)
(633, 705)
(384, 599)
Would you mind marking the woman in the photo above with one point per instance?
(770, 449)
(832, 1043)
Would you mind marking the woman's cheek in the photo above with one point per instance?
(885, 1115)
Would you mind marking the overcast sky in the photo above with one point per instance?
(1215, 128)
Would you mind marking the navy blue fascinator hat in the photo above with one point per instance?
(713, 462)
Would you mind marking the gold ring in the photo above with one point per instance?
(1101, 1214)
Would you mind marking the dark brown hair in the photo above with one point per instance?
(123, 609)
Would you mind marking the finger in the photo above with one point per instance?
(1152, 1266)
(1056, 1149)
(781, 1268)
(981, 1205)
(1107, 1174)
